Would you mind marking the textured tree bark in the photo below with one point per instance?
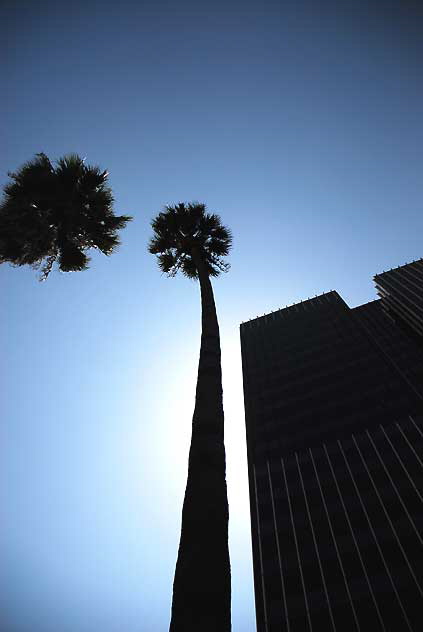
(202, 583)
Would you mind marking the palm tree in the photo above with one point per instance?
(189, 239)
(55, 214)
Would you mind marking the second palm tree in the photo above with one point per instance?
(189, 239)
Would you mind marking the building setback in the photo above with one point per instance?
(334, 422)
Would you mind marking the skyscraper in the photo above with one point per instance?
(334, 421)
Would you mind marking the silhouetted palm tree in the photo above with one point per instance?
(56, 214)
(189, 239)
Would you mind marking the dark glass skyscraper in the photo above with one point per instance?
(334, 421)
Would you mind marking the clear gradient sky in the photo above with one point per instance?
(300, 122)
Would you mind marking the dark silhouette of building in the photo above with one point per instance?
(334, 422)
(401, 293)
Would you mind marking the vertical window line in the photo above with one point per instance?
(335, 543)
(388, 518)
(355, 540)
(296, 546)
(278, 549)
(402, 464)
(416, 426)
(315, 545)
(260, 552)
(396, 489)
(409, 444)
(375, 539)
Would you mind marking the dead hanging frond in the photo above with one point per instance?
(47, 267)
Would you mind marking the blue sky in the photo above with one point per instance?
(300, 123)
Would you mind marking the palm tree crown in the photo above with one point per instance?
(57, 213)
(184, 230)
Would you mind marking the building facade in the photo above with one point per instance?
(334, 422)
(401, 293)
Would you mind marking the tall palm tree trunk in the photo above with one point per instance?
(202, 584)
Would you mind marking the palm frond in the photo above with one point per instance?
(72, 258)
(168, 263)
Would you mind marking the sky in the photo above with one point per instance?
(300, 123)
